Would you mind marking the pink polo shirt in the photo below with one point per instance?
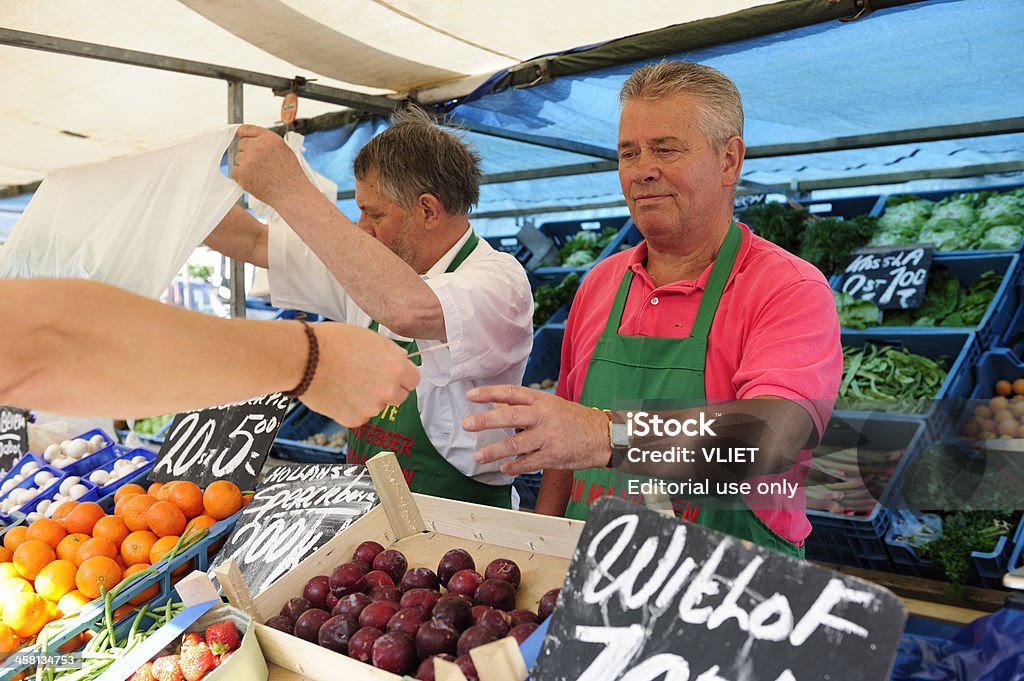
(776, 333)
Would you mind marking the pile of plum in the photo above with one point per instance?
(378, 611)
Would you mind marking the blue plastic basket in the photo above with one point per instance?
(988, 568)
(937, 196)
(859, 540)
(961, 350)
(138, 476)
(45, 493)
(1013, 338)
(92, 461)
(846, 207)
(303, 422)
(91, 494)
(16, 469)
(993, 366)
(968, 269)
(560, 231)
(546, 356)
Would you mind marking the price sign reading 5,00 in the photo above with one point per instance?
(229, 442)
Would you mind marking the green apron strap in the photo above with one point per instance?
(716, 283)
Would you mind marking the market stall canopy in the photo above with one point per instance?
(60, 110)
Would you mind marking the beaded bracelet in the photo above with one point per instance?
(311, 362)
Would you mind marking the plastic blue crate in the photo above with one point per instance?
(90, 462)
(845, 207)
(968, 269)
(936, 196)
(961, 350)
(303, 422)
(546, 356)
(44, 493)
(91, 494)
(138, 476)
(988, 568)
(1013, 337)
(993, 366)
(561, 231)
(18, 465)
(859, 540)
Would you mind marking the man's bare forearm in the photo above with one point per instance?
(240, 236)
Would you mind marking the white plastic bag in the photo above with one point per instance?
(131, 222)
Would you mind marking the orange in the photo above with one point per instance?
(200, 522)
(14, 536)
(187, 496)
(222, 499)
(96, 573)
(134, 511)
(119, 504)
(56, 579)
(111, 527)
(164, 490)
(8, 639)
(165, 519)
(68, 546)
(123, 612)
(8, 570)
(246, 498)
(47, 531)
(149, 593)
(25, 614)
(83, 517)
(31, 556)
(72, 602)
(13, 585)
(136, 546)
(61, 511)
(130, 488)
(154, 489)
(6, 554)
(97, 546)
(161, 548)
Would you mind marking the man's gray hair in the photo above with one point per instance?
(415, 156)
(718, 99)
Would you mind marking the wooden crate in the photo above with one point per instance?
(541, 545)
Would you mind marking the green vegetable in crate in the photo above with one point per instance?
(963, 533)
(829, 243)
(886, 378)
(152, 425)
(946, 303)
(585, 246)
(779, 223)
(902, 221)
(548, 299)
(855, 313)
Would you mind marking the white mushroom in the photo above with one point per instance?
(77, 491)
(99, 477)
(76, 448)
(97, 442)
(51, 452)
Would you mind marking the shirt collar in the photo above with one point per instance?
(639, 255)
(441, 266)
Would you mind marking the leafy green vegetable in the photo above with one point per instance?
(962, 534)
(779, 223)
(152, 425)
(828, 243)
(947, 303)
(1002, 237)
(886, 378)
(902, 222)
(584, 247)
(855, 313)
(548, 299)
(964, 221)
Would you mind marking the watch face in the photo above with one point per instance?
(620, 436)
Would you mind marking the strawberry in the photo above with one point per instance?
(166, 668)
(190, 638)
(145, 673)
(196, 660)
(225, 656)
(223, 637)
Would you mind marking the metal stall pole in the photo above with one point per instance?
(237, 266)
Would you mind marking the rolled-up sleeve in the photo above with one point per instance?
(298, 279)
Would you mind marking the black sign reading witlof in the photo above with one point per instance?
(892, 277)
(648, 597)
(287, 521)
(227, 442)
(13, 436)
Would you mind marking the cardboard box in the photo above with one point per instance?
(541, 545)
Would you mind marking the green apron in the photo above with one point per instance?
(632, 372)
(398, 428)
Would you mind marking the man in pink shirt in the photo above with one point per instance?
(704, 323)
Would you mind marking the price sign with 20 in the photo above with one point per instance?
(229, 442)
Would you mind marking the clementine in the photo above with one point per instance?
(165, 519)
(111, 527)
(134, 511)
(83, 517)
(56, 579)
(130, 488)
(136, 546)
(97, 546)
(95, 574)
(46, 531)
(14, 536)
(187, 496)
(68, 546)
(31, 556)
(25, 614)
(222, 498)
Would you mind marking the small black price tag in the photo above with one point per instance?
(892, 277)
(228, 442)
(13, 435)
(648, 597)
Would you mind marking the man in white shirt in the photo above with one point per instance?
(413, 270)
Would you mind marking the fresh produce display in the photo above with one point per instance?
(886, 378)
(24, 486)
(948, 303)
(337, 439)
(53, 566)
(584, 247)
(194, 655)
(855, 313)
(399, 629)
(151, 425)
(968, 221)
(123, 468)
(1002, 416)
(865, 473)
(70, 451)
(963, 533)
(826, 243)
(548, 299)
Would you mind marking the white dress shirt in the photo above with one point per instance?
(488, 317)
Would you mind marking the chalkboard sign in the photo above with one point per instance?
(229, 442)
(893, 278)
(287, 521)
(648, 597)
(13, 436)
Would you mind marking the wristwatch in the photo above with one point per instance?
(618, 438)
